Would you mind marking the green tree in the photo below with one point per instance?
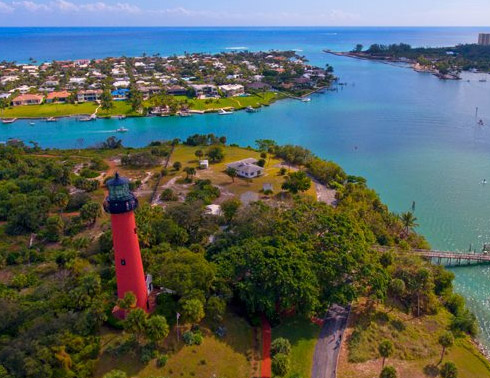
(157, 328)
(385, 349)
(199, 154)
(232, 173)
(189, 171)
(90, 212)
(388, 372)
(135, 322)
(297, 182)
(192, 310)
(358, 48)
(215, 308)
(280, 364)
(106, 100)
(409, 221)
(54, 228)
(446, 340)
(127, 302)
(135, 98)
(449, 370)
(177, 165)
(230, 208)
(61, 201)
(216, 154)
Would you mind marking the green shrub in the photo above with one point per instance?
(168, 195)
(162, 360)
(280, 364)
(188, 338)
(280, 345)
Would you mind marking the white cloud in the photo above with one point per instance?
(66, 6)
(31, 6)
(5, 8)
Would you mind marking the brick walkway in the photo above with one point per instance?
(265, 368)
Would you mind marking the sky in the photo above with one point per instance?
(244, 13)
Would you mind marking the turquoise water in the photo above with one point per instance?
(416, 136)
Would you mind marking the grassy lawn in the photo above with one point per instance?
(123, 107)
(303, 336)
(231, 102)
(49, 110)
(63, 110)
(416, 346)
(225, 358)
(215, 173)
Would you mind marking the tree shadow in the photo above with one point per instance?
(431, 370)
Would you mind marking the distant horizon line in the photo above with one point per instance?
(242, 26)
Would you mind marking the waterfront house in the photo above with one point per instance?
(176, 90)
(231, 90)
(148, 91)
(90, 95)
(120, 94)
(205, 90)
(258, 86)
(27, 99)
(247, 168)
(58, 97)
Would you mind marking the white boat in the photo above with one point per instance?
(9, 120)
(51, 119)
(87, 119)
(224, 112)
(185, 114)
(122, 130)
(32, 123)
(307, 99)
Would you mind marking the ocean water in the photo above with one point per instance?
(413, 136)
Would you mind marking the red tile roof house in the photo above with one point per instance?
(27, 99)
(57, 97)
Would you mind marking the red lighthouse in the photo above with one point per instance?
(121, 203)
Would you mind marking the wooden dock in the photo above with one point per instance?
(448, 258)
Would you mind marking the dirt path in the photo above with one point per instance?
(323, 193)
(265, 368)
(328, 346)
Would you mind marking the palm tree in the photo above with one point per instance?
(446, 340)
(409, 221)
(385, 349)
(190, 171)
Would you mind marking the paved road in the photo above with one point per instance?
(328, 345)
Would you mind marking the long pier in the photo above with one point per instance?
(447, 258)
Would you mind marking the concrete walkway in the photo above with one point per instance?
(327, 348)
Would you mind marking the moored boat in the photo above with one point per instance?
(51, 119)
(306, 99)
(224, 112)
(9, 120)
